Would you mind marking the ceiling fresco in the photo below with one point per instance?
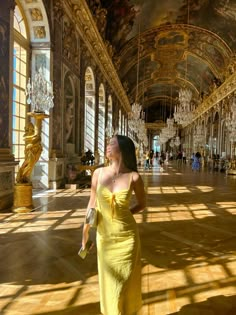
(168, 44)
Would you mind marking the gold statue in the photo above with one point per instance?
(33, 150)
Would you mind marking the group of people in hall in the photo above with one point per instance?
(164, 157)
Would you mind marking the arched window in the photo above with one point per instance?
(109, 115)
(20, 60)
(101, 123)
(31, 37)
(216, 126)
(89, 129)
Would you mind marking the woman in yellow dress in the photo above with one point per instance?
(118, 243)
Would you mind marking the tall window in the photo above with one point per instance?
(101, 123)
(89, 130)
(20, 57)
(109, 116)
(123, 124)
(120, 122)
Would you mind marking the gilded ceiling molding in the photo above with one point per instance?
(87, 29)
(217, 95)
(155, 126)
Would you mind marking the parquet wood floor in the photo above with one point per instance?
(188, 240)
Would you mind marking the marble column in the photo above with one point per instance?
(56, 160)
(7, 162)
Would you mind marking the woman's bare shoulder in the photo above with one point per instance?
(136, 176)
(100, 169)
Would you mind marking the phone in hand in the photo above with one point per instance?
(84, 251)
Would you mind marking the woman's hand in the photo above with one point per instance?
(85, 235)
(85, 238)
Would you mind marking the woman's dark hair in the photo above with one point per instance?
(127, 149)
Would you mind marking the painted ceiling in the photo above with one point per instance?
(163, 45)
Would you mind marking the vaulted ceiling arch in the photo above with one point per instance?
(174, 55)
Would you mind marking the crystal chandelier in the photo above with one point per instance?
(177, 141)
(136, 110)
(170, 130)
(137, 124)
(230, 120)
(137, 116)
(171, 144)
(183, 113)
(134, 117)
(198, 136)
(163, 138)
(39, 93)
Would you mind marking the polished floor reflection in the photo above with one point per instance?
(188, 240)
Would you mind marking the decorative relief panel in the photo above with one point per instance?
(36, 14)
(39, 32)
(70, 43)
(57, 9)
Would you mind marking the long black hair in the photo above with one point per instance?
(127, 149)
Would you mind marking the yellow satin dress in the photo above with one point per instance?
(118, 248)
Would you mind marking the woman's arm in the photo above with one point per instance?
(140, 194)
(91, 204)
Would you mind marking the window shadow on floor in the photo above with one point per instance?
(216, 305)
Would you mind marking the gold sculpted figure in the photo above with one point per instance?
(33, 150)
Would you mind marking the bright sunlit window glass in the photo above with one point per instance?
(109, 116)
(101, 123)
(123, 124)
(89, 129)
(120, 122)
(19, 23)
(20, 57)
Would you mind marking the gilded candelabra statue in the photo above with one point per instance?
(40, 96)
(33, 150)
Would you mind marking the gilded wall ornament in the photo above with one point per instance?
(39, 32)
(58, 9)
(36, 14)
